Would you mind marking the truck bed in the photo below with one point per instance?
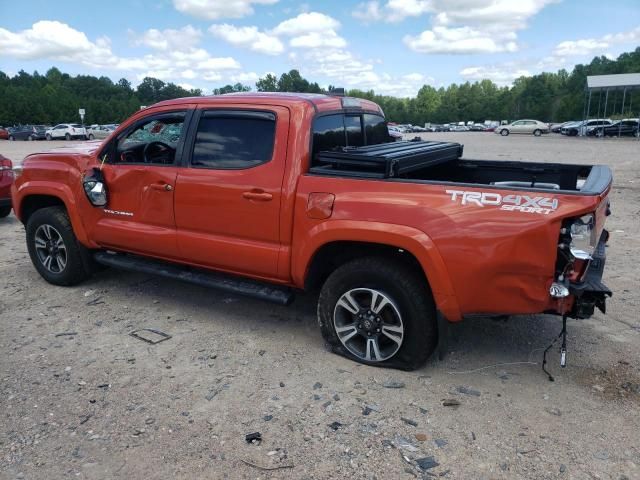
(440, 162)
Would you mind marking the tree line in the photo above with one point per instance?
(56, 97)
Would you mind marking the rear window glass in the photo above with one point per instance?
(228, 142)
(328, 133)
(353, 127)
(376, 129)
(75, 125)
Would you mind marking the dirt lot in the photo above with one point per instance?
(80, 398)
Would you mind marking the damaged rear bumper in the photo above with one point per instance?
(591, 292)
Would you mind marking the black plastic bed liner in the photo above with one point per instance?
(385, 160)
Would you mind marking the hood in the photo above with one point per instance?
(84, 148)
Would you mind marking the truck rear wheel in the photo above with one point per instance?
(54, 249)
(378, 312)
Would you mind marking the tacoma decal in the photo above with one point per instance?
(517, 203)
(118, 212)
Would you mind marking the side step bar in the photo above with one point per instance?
(226, 283)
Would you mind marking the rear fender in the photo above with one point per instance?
(409, 239)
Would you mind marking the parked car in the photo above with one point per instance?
(6, 180)
(27, 132)
(623, 128)
(557, 127)
(584, 127)
(526, 126)
(4, 134)
(66, 131)
(225, 184)
(477, 127)
(99, 132)
(458, 128)
(394, 133)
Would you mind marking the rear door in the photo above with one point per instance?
(228, 196)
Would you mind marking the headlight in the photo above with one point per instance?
(583, 237)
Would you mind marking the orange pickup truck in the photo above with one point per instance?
(268, 194)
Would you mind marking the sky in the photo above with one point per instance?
(391, 46)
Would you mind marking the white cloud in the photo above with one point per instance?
(503, 74)
(170, 60)
(311, 30)
(393, 11)
(248, 37)
(214, 9)
(457, 26)
(187, 36)
(249, 78)
(51, 39)
(462, 40)
(595, 46)
(318, 40)
(305, 23)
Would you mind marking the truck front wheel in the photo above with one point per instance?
(53, 247)
(378, 312)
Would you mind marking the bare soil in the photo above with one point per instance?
(81, 398)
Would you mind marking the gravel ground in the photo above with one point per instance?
(80, 398)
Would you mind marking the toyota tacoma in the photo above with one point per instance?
(269, 194)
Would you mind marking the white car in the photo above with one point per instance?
(100, 131)
(523, 126)
(66, 131)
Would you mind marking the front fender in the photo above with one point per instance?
(58, 190)
(407, 238)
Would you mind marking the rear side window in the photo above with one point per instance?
(234, 140)
(340, 130)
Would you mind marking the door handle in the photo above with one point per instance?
(161, 186)
(258, 195)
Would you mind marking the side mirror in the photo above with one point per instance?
(95, 188)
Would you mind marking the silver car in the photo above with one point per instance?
(100, 132)
(529, 127)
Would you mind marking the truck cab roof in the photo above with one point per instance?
(319, 102)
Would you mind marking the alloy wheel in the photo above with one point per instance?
(50, 248)
(368, 324)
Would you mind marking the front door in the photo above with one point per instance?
(228, 196)
(140, 178)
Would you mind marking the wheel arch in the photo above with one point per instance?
(337, 242)
(34, 199)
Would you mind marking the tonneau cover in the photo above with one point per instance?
(385, 160)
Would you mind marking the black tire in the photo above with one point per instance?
(48, 137)
(11, 138)
(405, 287)
(77, 266)
(30, 138)
(91, 137)
(5, 211)
(537, 132)
(67, 137)
(504, 132)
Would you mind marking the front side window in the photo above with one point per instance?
(152, 141)
(234, 140)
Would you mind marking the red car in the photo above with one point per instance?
(4, 134)
(6, 179)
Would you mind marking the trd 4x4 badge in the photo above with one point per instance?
(519, 203)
